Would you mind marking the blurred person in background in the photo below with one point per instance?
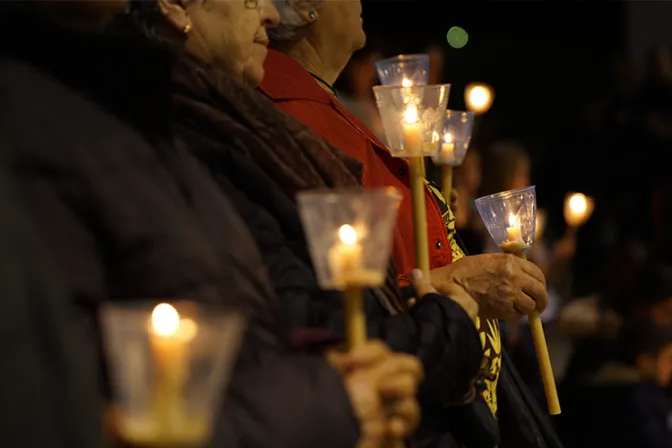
(310, 48)
(624, 403)
(359, 77)
(468, 179)
(128, 213)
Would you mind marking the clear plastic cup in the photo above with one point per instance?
(349, 234)
(412, 118)
(404, 70)
(455, 139)
(510, 217)
(168, 369)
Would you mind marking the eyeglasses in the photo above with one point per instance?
(252, 4)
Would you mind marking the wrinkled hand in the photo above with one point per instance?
(382, 387)
(503, 285)
(452, 290)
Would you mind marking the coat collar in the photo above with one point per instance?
(288, 80)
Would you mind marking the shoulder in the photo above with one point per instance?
(41, 114)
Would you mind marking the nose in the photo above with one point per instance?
(270, 16)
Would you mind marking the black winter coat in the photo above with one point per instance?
(127, 213)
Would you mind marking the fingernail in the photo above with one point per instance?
(417, 274)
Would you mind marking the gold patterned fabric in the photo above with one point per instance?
(488, 329)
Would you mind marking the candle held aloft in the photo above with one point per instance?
(412, 129)
(513, 230)
(448, 149)
(169, 339)
(345, 258)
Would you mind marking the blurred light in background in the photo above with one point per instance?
(457, 37)
(478, 97)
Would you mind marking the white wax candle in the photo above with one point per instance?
(513, 231)
(345, 258)
(169, 339)
(448, 152)
(413, 138)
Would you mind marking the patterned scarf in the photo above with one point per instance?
(290, 153)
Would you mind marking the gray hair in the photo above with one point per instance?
(290, 20)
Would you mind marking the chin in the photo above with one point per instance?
(253, 75)
(360, 41)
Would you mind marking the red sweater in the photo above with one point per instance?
(295, 91)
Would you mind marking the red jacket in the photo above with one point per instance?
(295, 91)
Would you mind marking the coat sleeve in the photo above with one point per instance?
(294, 401)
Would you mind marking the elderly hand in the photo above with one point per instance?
(503, 285)
(382, 386)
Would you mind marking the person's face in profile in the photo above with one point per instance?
(521, 176)
(227, 33)
(340, 22)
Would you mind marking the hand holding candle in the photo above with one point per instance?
(159, 399)
(510, 218)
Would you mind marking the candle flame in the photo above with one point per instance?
(479, 97)
(512, 220)
(448, 137)
(411, 114)
(165, 320)
(578, 203)
(348, 235)
(406, 83)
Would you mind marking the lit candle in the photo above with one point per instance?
(412, 130)
(513, 231)
(448, 149)
(169, 339)
(578, 208)
(406, 82)
(345, 258)
(478, 98)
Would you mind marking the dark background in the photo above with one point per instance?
(543, 59)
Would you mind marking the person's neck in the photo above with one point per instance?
(327, 68)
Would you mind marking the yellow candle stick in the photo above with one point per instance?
(517, 246)
(419, 214)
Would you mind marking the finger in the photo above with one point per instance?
(403, 417)
(422, 285)
(524, 304)
(535, 290)
(399, 364)
(399, 386)
(531, 269)
(373, 352)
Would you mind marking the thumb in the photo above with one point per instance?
(421, 284)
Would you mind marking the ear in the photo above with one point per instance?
(175, 14)
(307, 9)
